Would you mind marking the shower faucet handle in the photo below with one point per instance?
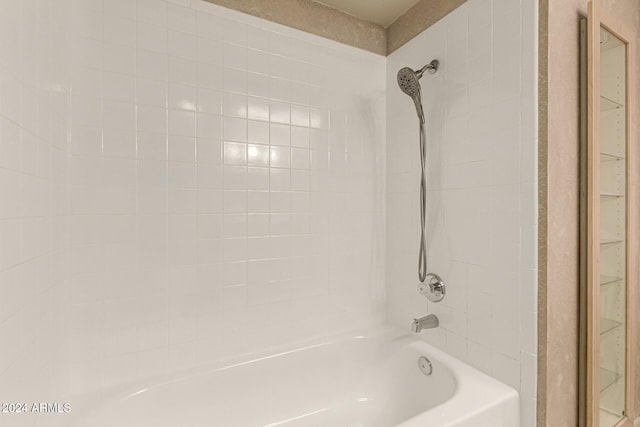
(433, 288)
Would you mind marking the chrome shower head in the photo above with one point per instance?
(409, 84)
(408, 80)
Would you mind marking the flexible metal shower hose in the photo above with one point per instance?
(422, 257)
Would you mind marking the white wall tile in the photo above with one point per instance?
(181, 18)
(181, 70)
(152, 12)
(151, 37)
(151, 66)
(479, 357)
(280, 134)
(506, 369)
(119, 58)
(235, 129)
(35, 132)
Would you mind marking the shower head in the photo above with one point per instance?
(408, 80)
(409, 84)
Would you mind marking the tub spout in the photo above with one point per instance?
(427, 322)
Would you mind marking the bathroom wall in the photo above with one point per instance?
(33, 129)
(422, 15)
(482, 189)
(226, 187)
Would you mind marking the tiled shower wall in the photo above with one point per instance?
(482, 191)
(226, 186)
(33, 129)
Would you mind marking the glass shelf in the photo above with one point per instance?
(608, 418)
(608, 104)
(608, 195)
(610, 157)
(604, 242)
(605, 280)
(607, 325)
(608, 378)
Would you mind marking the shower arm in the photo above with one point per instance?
(431, 67)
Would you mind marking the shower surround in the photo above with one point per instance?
(182, 183)
(480, 110)
(225, 184)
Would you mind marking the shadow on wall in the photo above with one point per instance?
(372, 107)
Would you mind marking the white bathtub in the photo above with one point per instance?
(371, 379)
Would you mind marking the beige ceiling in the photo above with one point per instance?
(381, 12)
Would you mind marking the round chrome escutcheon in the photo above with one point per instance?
(425, 365)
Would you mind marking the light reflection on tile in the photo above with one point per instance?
(258, 155)
(235, 153)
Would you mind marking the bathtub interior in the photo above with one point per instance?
(366, 380)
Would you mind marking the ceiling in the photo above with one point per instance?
(381, 12)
